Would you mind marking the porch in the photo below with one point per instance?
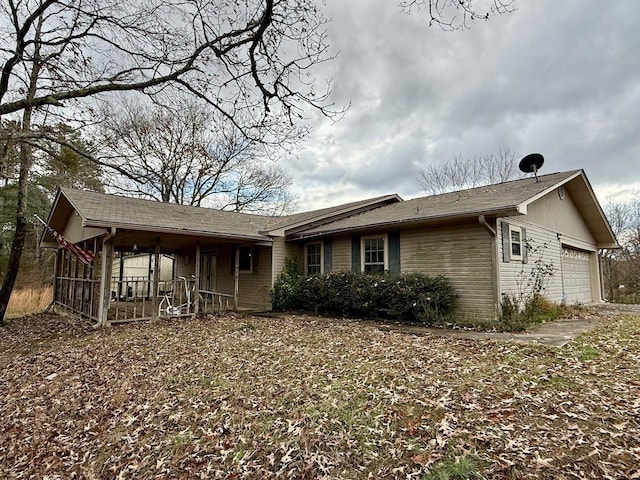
(204, 276)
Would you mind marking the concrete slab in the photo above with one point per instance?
(556, 333)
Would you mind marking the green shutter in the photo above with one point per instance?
(506, 244)
(394, 252)
(328, 252)
(355, 254)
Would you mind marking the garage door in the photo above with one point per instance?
(576, 275)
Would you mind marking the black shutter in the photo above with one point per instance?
(355, 253)
(524, 243)
(506, 244)
(394, 252)
(328, 252)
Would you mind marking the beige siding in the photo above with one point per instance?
(253, 288)
(341, 258)
(185, 264)
(282, 252)
(463, 254)
(559, 215)
(75, 232)
(514, 274)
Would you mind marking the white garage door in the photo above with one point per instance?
(576, 276)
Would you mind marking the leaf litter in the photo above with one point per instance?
(304, 397)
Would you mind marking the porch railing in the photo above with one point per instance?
(132, 298)
(78, 295)
(215, 302)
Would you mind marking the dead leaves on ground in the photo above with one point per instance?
(298, 397)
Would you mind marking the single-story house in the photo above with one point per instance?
(480, 238)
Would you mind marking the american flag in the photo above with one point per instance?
(85, 256)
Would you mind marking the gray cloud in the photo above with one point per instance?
(561, 78)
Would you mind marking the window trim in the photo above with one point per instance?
(513, 256)
(385, 239)
(306, 257)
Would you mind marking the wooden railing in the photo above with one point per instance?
(78, 295)
(215, 302)
(133, 299)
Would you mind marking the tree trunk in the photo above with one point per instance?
(17, 246)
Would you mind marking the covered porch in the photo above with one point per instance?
(180, 276)
(122, 259)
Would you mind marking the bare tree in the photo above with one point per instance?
(461, 173)
(457, 14)
(249, 60)
(621, 267)
(190, 155)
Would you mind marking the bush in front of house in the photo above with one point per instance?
(411, 297)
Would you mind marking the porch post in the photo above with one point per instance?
(105, 282)
(156, 278)
(56, 274)
(236, 279)
(196, 307)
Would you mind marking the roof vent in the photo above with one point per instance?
(531, 164)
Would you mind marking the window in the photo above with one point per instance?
(374, 254)
(313, 259)
(246, 259)
(515, 240)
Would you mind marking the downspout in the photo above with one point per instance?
(494, 271)
(105, 283)
(564, 295)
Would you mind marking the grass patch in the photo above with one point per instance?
(589, 353)
(463, 467)
(27, 301)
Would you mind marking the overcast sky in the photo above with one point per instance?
(561, 78)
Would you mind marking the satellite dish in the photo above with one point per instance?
(531, 164)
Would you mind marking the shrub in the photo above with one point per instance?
(286, 289)
(407, 297)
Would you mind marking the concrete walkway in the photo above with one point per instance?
(556, 333)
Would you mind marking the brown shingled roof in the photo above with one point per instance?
(104, 210)
(497, 199)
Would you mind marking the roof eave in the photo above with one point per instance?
(195, 233)
(502, 212)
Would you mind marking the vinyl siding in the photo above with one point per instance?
(185, 269)
(511, 272)
(341, 261)
(253, 288)
(559, 215)
(463, 254)
(282, 252)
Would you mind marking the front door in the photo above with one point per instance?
(208, 272)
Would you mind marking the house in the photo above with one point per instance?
(480, 238)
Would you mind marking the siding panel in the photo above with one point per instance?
(253, 288)
(559, 215)
(341, 254)
(463, 254)
(513, 274)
